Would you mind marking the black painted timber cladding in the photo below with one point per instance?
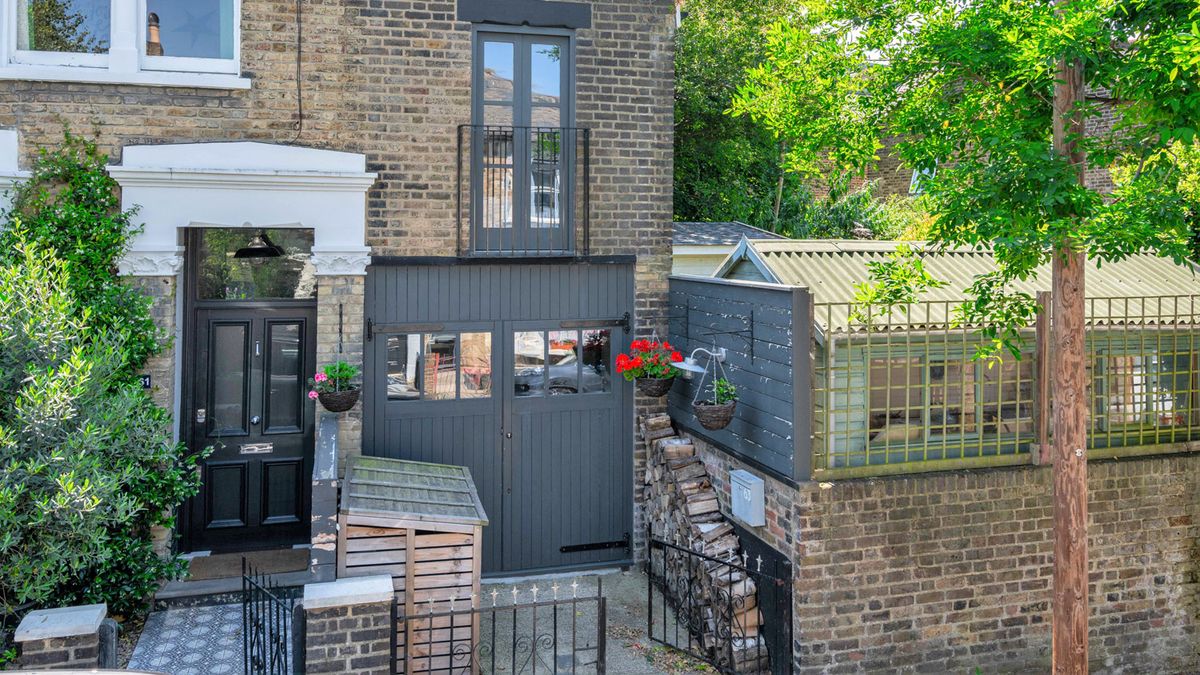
(538, 13)
(757, 325)
(553, 471)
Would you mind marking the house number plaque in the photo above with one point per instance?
(258, 448)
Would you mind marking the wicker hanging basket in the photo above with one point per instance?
(655, 386)
(339, 401)
(712, 416)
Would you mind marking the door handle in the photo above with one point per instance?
(255, 420)
(508, 435)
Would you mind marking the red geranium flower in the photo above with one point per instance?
(676, 357)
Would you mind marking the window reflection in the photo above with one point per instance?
(561, 362)
(190, 28)
(529, 363)
(597, 355)
(224, 276)
(285, 379)
(68, 26)
(442, 366)
(403, 353)
(476, 378)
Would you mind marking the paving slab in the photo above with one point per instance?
(191, 641)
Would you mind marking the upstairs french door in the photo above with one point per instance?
(523, 144)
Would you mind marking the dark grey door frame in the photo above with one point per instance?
(523, 235)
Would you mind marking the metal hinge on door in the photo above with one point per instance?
(599, 546)
(625, 323)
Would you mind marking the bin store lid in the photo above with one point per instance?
(405, 490)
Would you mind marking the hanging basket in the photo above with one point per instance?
(713, 416)
(655, 386)
(339, 401)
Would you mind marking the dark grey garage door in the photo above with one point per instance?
(508, 370)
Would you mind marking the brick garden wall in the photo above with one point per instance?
(947, 572)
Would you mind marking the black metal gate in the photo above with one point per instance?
(735, 614)
(554, 635)
(267, 623)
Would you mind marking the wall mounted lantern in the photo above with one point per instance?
(690, 366)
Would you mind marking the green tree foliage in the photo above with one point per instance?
(87, 463)
(731, 167)
(725, 168)
(70, 206)
(968, 88)
(55, 28)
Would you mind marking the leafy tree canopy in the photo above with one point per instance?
(968, 86)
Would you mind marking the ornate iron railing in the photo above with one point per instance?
(728, 613)
(556, 635)
(267, 623)
(523, 191)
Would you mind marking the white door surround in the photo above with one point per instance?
(244, 184)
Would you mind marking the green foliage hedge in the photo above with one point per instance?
(88, 465)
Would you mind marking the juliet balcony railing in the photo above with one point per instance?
(523, 191)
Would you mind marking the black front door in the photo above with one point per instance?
(250, 347)
(251, 369)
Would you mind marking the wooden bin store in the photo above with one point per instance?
(422, 524)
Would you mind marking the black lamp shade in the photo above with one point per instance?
(260, 246)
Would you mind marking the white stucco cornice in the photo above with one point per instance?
(243, 180)
(245, 184)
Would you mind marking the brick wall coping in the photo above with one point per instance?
(45, 624)
(343, 592)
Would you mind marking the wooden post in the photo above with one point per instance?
(1070, 619)
(1041, 381)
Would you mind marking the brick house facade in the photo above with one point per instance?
(369, 117)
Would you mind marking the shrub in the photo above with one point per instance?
(69, 206)
(87, 464)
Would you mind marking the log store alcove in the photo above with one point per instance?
(422, 524)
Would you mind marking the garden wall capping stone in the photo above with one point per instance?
(345, 592)
(46, 624)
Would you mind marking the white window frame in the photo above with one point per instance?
(126, 61)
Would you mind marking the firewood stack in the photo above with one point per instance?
(682, 508)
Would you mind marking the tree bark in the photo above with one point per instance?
(1070, 610)
(779, 186)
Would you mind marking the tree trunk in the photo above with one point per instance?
(779, 186)
(1070, 611)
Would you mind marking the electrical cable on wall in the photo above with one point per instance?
(299, 123)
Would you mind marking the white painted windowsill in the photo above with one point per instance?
(147, 78)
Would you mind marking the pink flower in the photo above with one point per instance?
(313, 395)
(320, 377)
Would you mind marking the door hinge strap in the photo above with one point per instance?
(623, 322)
(599, 546)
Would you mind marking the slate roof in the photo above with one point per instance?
(718, 234)
(1152, 290)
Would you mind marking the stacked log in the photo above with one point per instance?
(683, 510)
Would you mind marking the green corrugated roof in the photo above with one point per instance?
(831, 269)
(397, 488)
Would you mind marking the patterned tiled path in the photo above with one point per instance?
(191, 641)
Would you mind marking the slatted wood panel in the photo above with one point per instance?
(524, 452)
(422, 524)
(765, 332)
